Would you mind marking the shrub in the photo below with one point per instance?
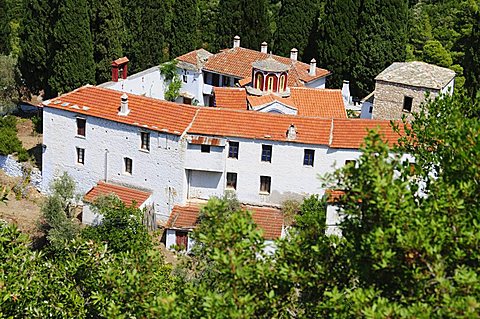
(9, 142)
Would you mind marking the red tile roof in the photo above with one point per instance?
(127, 195)
(258, 125)
(270, 220)
(176, 119)
(350, 133)
(230, 98)
(334, 195)
(256, 101)
(237, 62)
(145, 112)
(318, 102)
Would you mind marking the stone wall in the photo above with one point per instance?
(388, 103)
(15, 169)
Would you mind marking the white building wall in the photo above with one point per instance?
(277, 107)
(106, 144)
(317, 84)
(365, 113)
(448, 89)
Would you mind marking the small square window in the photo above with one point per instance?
(232, 180)
(407, 103)
(128, 165)
(145, 140)
(267, 153)
(233, 149)
(265, 182)
(205, 148)
(80, 155)
(81, 124)
(308, 157)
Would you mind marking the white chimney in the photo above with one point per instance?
(291, 132)
(346, 92)
(294, 54)
(124, 110)
(313, 67)
(236, 41)
(264, 48)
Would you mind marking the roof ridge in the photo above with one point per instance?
(189, 126)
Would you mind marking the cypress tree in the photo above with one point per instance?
(148, 24)
(4, 28)
(34, 58)
(185, 20)
(72, 63)
(108, 34)
(295, 23)
(472, 59)
(228, 23)
(381, 40)
(337, 40)
(255, 23)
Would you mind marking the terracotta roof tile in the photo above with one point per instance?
(230, 98)
(197, 58)
(104, 103)
(350, 133)
(238, 62)
(318, 102)
(127, 195)
(256, 101)
(258, 125)
(270, 220)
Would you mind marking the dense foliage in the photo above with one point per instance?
(9, 142)
(354, 39)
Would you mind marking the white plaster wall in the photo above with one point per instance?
(148, 83)
(448, 89)
(333, 220)
(365, 114)
(278, 108)
(203, 184)
(318, 83)
(160, 170)
(213, 161)
(194, 84)
(290, 179)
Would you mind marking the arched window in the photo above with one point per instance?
(271, 83)
(259, 81)
(283, 79)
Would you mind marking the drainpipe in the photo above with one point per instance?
(106, 165)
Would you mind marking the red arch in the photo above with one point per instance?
(258, 84)
(275, 82)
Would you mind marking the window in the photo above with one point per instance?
(407, 103)
(128, 165)
(233, 149)
(370, 110)
(187, 100)
(81, 123)
(270, 81)
(265, 184)
(282, 83)
(145, 137)
(185, 78)
(351, 162)
(308, 157)
(205, 148)
(259, 81)
(232, 180)
(266, 153)
(80, 155)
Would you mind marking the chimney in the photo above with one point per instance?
(236, 41)
(264, 48)
(346, 92)
(119, 68)
(313, 67)
(294, 54)
(124, 110)
(291, 133)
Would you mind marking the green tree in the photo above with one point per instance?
(35, 56)
(148, 25)
(472, 59)
(72, 63)
(382, 35)
(4, 28)
(337, 39)
(185, 20)
(9, 93)
(59, 213)
(248, 19)
(435, 53)
(296, 21)
(108, 35)
(208, 13)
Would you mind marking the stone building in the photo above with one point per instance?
(401, 88)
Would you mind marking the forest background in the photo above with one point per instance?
(63, 44)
